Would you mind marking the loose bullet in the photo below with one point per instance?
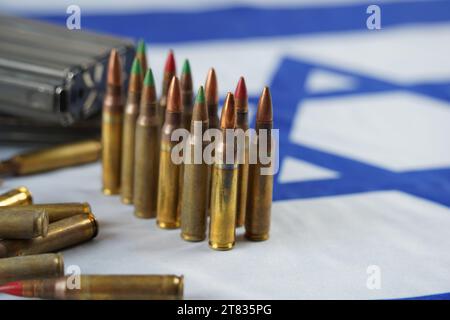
(168, 207)
(196, 176)
(101, 287)
(112, 119)
(129, 131)
(16, 197)
(51, 158)
(31, 267)
(146, 153)
(224, 185)
(55, 211)
(23, 223)
(187, 94)
(260, 186)
(61, 234)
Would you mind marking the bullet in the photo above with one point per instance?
(212, 103)
(241, 100)
(168, 214)
(31, 267)
(169, 72)
(23, 223)
(196, 177)
(61, 234)
(146, 153)
(224, 186)
(52, 158)
(101, 287)
(141, 54)
(187, 94)
(259, 199)
(129, 131)
(16, 197)
(112, 118)
(212, 98)
(55, 211)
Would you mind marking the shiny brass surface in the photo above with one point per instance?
(56, 157)
(57, 211)
(61, 234)
(31, 267)
(16, 197)
(111, 151)
(22, 223)
(109, 287)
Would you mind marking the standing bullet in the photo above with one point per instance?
(61, 234)
(168, 215)
(196, 176)
(101, 287)
(243, 154)
(55, 211)
(212, 98)
(169, 72)
(212, 103)
(129, 131)
(147, 155)
(24, 224)
(60, 156)
(16, 197)
(260, 186)
(187, 94)
(141, 54)
(112, 127)
(31, 267)
(224, 185)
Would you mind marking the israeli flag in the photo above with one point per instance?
(361, 96)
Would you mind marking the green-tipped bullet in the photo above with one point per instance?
(187, 94)
(141, 54)
(146, 161)
(129, 128)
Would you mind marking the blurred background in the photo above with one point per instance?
(361, 96)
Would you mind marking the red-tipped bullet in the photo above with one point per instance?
(170, 63)
(12, 288)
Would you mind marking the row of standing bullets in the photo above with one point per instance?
(137, 146)
(29, 232)
(28, 229)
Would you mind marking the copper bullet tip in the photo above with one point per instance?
(211, 88)
(114, 69)
(200, 112)
(170, 63)
(264, 113)
(174, 96)
(228, 117)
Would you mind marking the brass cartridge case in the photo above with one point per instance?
(31, 267)
(128, 148)
(168, 215)
(223, 206)
(108, 287)
(61, 234)
(195, 198)
(16, 197)
(22, 223)
(51, 158)
(146, 166)
(111, 150)
(56, 211)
